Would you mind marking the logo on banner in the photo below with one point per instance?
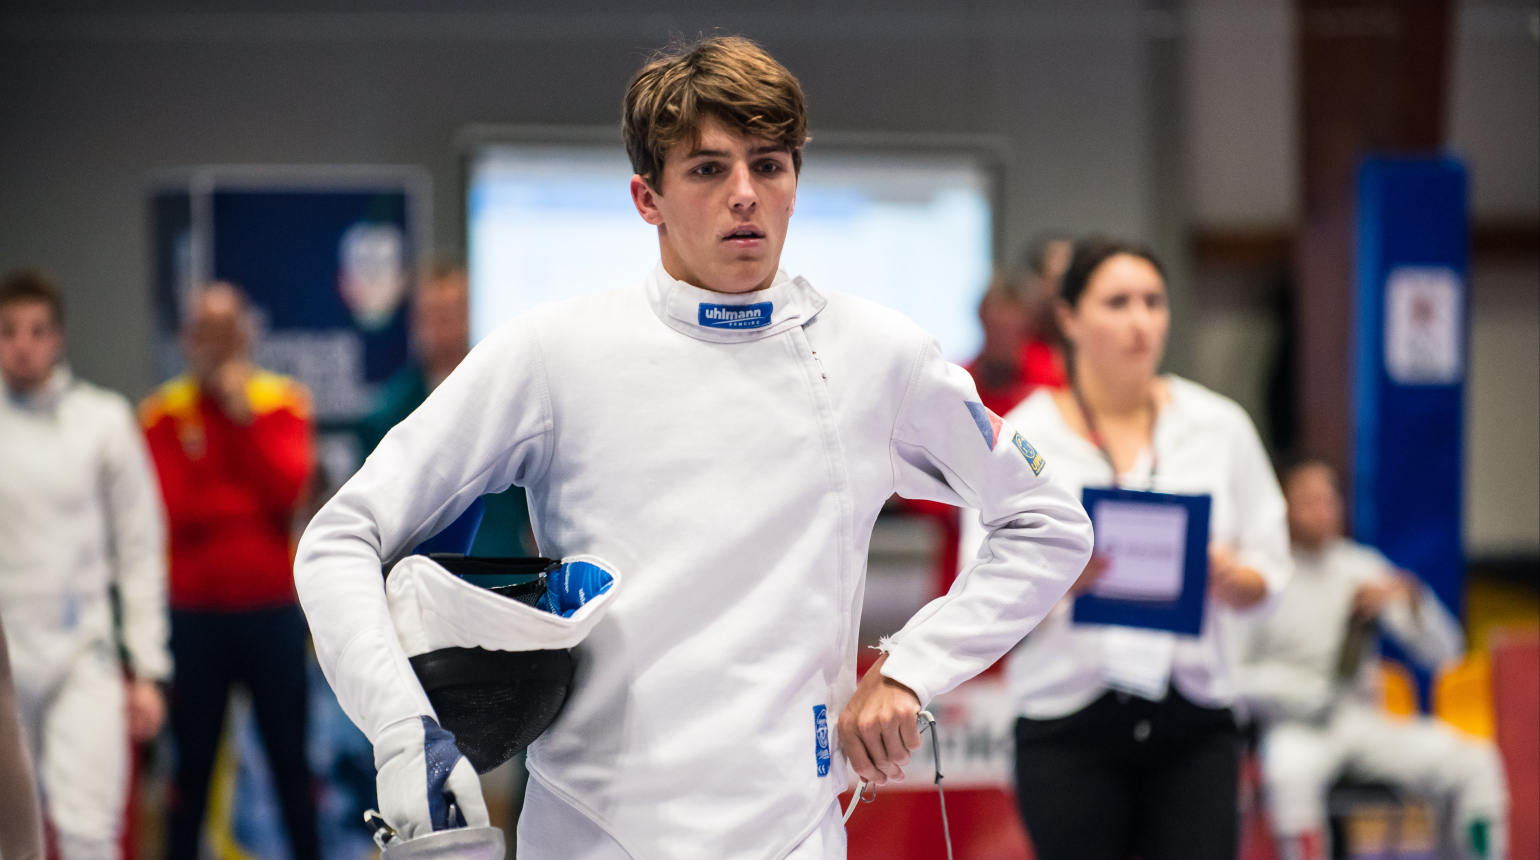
(988, 422)
(821, 738)
(736, 316)
(1034, 459)
(1423, 324)
(371, 272)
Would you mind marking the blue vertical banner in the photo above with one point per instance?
(1410, 364)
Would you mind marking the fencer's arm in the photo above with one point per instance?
(1262, 544)
(484, 428)
(1427, 631)
(137, 531)
(1038, 535)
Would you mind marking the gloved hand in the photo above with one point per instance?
(576, 583)
(420, 773)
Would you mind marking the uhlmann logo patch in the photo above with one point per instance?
(736, 316)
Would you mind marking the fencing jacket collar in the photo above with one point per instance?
(46, 397)
(732, 317)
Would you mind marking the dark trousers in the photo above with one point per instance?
(1126, 777)
(264, 650)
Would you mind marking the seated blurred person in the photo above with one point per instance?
(1308, 675)
(440, 330)
(234, 448)
(79, 515)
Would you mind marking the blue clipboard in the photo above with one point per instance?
(1185, 613)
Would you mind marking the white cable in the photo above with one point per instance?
(927, 721)
(854, 799)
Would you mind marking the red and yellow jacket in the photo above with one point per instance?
(231, 490)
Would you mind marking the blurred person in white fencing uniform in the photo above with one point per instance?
(724, 435)
(79, 513)
(1126, 743)
(1309, 674)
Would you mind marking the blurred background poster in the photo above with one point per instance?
(328, 257)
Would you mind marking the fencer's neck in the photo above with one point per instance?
(1115, 396)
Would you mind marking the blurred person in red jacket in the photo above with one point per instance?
(234, 447)
(1021, 349)
(1042, 352)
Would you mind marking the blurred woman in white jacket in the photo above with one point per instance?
(1126, 745)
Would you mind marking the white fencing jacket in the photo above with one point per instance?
(79, 510)
(728, 454)
(1288, 659)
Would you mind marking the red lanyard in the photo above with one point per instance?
(1100, 442)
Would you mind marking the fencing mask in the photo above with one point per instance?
(489, 639)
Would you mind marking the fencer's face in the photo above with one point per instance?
(30, 344)
(216, 331)
(441, 320)
(1119, 325)
(1003, 319)
(722, 210)
(1315, 506)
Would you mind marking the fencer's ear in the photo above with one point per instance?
(646, 200)
(1067, 319)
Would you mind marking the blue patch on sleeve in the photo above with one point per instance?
(442, 755)
(1034, 459)
(574, 585)
(756, 315)
(821, 737)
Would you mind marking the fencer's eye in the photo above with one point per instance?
(707, 169)
(1118, 302)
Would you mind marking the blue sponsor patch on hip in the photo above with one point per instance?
(821, 737)
(1034, 459)
(756, 315)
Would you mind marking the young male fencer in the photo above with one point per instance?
(724, 435)
(79, 512)
(1312, 684)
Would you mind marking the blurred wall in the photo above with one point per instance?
(1495, 126)
(1159, 120)
(94, 101)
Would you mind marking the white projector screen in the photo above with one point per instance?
(913, 231)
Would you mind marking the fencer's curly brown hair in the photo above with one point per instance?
(726, 77)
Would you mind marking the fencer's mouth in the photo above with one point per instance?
(745, 231)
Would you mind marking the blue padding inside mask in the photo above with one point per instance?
(574, 585)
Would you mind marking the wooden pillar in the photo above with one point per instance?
(1373, 78)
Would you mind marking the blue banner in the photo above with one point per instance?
(1409, 372)
(1410, 368)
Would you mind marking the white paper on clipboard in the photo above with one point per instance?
(1145, 546)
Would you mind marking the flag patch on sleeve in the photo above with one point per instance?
(1034, 459)
(988, 422)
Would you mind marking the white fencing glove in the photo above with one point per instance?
(420, 774)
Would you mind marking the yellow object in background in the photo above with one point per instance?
(1462, 696)
(1399, 689)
